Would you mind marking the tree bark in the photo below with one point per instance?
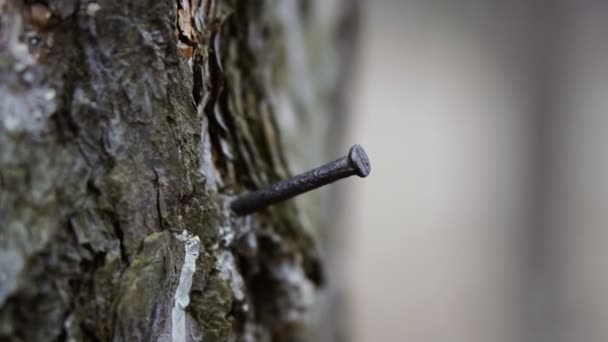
(125, 129)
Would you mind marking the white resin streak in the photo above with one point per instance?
(182, 293)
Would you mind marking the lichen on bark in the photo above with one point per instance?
(125, 128)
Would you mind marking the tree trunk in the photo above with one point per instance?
(125, 128)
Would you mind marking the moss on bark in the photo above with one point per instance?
(124, 124)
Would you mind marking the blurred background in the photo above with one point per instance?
(484, 218)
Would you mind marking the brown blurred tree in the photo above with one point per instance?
(125, 127)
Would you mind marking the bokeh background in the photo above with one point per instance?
(485, 216)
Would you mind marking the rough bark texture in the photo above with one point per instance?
(125, 127)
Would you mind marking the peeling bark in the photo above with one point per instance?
(125, 127)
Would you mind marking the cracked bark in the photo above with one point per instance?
(125, 127)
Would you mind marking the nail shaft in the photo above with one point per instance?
(355, 163)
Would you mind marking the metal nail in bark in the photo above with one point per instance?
(355, 163)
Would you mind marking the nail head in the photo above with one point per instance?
(359, 160)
